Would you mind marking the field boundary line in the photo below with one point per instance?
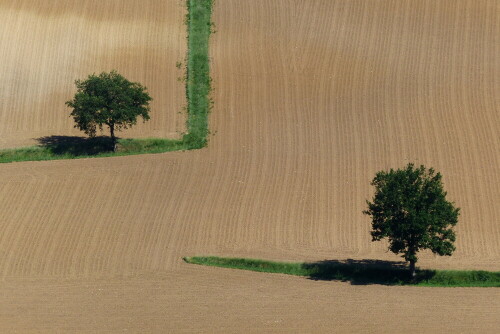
(358, 272)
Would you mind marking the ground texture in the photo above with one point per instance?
(46, 45)
(311, 99)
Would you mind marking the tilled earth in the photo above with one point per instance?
(311, 99)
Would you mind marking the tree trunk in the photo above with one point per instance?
(412, 269)
(113, 138)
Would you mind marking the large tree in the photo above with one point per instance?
(410, 209)
(108, 99)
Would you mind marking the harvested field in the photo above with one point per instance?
(46, 45)
(311, 99)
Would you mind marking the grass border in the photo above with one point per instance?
(357, 272)
(198, 83)
(199, 103)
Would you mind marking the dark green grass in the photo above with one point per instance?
(198, 87)
(358, 272)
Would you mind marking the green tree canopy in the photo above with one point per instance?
(410, 209)
(108, 99)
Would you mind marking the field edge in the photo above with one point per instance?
(357, 272)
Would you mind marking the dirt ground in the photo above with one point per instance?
(46, 45)
(311, 99)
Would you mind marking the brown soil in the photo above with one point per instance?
(312, 98)
(46, 45)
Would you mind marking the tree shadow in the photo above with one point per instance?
(76, 146)
(365, 272)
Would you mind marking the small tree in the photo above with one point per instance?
(410, 209)
(108, 99)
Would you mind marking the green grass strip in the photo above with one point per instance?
(90, 148)
(198, 87)
(358, 272)
(198, 84)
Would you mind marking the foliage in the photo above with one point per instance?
(410, 209)
(108, 99)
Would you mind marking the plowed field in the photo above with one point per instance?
(311, 99)
(45, 45)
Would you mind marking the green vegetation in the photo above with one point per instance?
(288, 268)
(410, 209)
(55, 148)
(108, 99)
(359, 272)
(198, 87)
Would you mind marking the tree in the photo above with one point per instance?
(410, 209)
(108, 99)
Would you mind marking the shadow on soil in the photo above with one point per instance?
(76, 146)
(364, 272)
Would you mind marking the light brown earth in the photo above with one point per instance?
(311, 99)
(45, 45)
